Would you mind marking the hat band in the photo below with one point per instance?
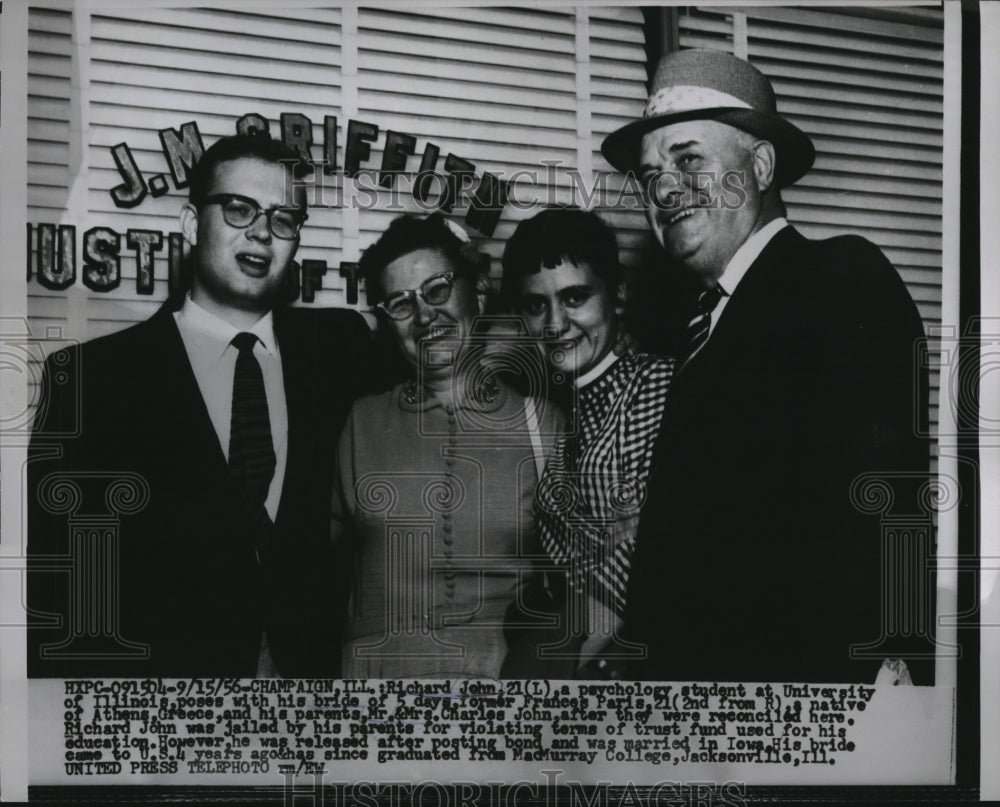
(688, 98)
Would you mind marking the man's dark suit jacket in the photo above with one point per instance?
(752, 563)
(190, 589)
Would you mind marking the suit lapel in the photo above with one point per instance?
(189, 438)
(760, 287)
(185, 411)
(185, 415)
(760, 290)
(296, 369)
(732, 349)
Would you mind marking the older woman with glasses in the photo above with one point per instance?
(562, 275)
(436, 477)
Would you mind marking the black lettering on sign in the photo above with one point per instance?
(349, 271)
(487, 204)
(367, 189)
(145, 243)
(133, 190)
(460, 177)
(253, 124)
(158, 185)
(182, 150)
(102, 265)
(312, 279)
(296, 133)
(56, 269)
(330, 144)
(398, 147)
(359, 134)
(178, 280)
(422, 184)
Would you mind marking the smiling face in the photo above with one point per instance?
(572, 309)
(449, 322)
(706, 182)
(239, 270)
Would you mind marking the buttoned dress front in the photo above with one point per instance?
(435, 502)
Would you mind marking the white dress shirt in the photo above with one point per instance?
(208, 342)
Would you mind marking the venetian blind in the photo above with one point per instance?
(50, 74)
(525, 94)
(618, 93)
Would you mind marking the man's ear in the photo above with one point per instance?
(189, 223)
(763, 165)
(482, 292)
(621, 298)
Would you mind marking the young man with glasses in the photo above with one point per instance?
(221, 416)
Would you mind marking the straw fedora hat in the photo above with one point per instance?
(712, 85)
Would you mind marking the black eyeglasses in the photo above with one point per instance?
(242, 211)
(436, 290)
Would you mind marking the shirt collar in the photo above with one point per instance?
(213, 335)
(748, 253)
(597, 370)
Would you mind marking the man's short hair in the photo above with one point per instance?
(745, 139)
(235, 147)
(556, 235)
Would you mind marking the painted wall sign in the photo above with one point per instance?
(182, 147)
(52, 250)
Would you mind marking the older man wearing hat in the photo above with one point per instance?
(758, 557)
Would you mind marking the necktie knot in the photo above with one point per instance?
(698, 328)
(709, 299)
(244, 342)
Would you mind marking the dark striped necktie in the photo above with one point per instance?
(697, 329)
(251, 451)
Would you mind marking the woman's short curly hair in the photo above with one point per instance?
(409, 233)
(555, 235)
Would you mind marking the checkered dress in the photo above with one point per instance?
(588, 500)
